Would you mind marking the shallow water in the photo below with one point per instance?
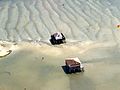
(26, 69)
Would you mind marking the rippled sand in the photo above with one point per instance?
(39, 67)
(22, 20)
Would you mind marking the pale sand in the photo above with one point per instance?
(82, 20)
(6, 48)
(25, 67)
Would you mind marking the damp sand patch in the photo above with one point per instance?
(38, 67)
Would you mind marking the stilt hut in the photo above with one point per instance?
(74, 65)
(57, 38)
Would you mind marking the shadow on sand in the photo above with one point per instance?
(65, 69)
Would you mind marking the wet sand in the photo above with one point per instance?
(39, 67)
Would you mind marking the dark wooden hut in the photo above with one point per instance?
(57, 38)
(74, 65)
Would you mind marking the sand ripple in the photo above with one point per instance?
(22, 20)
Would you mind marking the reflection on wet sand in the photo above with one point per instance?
(81, 82)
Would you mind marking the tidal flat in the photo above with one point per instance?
(39, 67)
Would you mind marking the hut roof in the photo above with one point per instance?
(76, 59)
(57, 35)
